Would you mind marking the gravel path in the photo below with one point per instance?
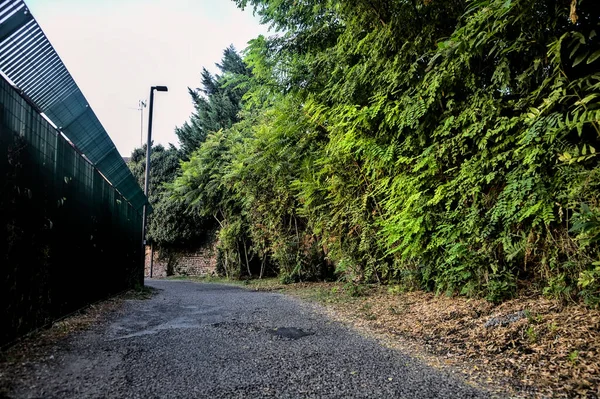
(215, 341)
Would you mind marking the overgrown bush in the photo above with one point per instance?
(440, 145)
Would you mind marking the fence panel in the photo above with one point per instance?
(67, 237)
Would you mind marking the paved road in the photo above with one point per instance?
(217, 341)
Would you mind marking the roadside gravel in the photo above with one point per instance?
(219, 341)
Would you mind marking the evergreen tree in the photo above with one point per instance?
(217, 102)
(170, 224)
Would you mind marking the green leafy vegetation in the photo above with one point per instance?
(446, 146)
(170, 224)
(217, 103)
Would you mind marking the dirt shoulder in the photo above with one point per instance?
(531, 346)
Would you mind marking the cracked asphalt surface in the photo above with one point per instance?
(195, 340)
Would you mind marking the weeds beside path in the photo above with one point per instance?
(536, 346)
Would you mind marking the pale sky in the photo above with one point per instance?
(117, 49)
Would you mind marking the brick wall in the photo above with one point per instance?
(201, 262)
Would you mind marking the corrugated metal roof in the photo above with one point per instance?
(28, 59)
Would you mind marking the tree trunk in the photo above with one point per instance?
(226, 265)
(262, 266)
(247, 262)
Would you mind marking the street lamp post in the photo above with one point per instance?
(147, 178)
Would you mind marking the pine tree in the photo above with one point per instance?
(217, 102)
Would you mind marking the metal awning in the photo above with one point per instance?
(28, 59)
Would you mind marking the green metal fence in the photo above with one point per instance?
(67, 236)
(28, 59)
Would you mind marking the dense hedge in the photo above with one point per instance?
(444, 145)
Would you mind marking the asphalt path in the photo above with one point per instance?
(194, 340)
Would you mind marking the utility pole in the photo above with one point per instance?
(141, 107)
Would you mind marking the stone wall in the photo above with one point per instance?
(201, 262)
(159, 266)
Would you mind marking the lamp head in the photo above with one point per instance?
(160, 88)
